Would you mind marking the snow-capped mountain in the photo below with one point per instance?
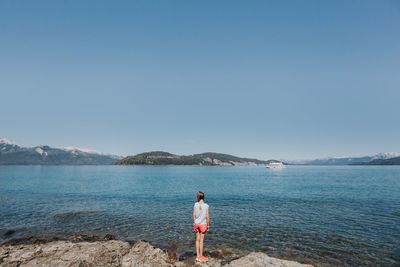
(6, 142)
(386, 155)
(12, 153)
(8, 146)
(346, 160)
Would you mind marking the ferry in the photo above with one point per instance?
(276, 165)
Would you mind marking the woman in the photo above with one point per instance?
(201, 223)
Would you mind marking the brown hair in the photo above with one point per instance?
(200, 196)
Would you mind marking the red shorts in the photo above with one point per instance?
(202, 228)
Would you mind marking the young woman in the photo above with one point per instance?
(201, 223)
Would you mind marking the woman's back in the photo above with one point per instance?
(201, 212)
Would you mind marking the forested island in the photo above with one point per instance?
(203, 159)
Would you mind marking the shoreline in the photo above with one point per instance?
(91, 250)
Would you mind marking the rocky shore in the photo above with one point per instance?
(82, 253)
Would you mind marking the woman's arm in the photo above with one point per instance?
(208, 218)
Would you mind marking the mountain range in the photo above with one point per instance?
(389, 161)
(14, 154)
(346, 160)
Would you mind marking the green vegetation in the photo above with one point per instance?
(205, 159)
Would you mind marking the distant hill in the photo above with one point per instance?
(346, 160)
(204, 159)
(391, 161)
(14, 154)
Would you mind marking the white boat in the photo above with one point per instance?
(276, 165)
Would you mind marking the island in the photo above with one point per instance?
(203, 159)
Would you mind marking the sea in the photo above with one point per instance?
(323, 215)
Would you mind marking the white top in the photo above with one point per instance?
(201, 214)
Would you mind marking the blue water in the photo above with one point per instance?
(347, 215)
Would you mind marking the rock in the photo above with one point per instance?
(256, 259)
(109, 237)
(186, 255)
(84, 237)
(211, 262)
(65, 253)
(115, 253)
(9, 232)
(171, 253)
(144, 254)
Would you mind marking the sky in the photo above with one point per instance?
(263, 79)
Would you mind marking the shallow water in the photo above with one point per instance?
(340, 215)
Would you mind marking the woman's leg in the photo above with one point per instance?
(202, 235)
(198, 244)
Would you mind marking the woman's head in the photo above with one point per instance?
(200, 195)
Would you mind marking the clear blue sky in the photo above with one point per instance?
(265, 79)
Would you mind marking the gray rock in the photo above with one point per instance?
(144, 254)
(258, 259)
(65, 253)
(114, 253)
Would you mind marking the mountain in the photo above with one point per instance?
(390, 161)
(346, 160)
(207, 159)
(14, 154)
